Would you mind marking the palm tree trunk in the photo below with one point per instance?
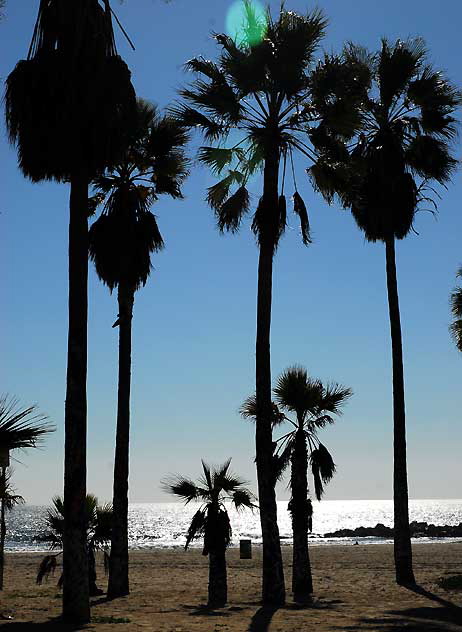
(118, 563)
(76, 605)
(2, 526)
(273, 590)
(302, 582)
(402, 536)
(218, 585)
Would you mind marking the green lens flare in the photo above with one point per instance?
(246, 22)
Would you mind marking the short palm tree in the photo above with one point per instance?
(121, 242)
(456, 308)
(65, 106)
(98, 521)
(402, 146)
(314, 405)
(211, 521)
(20, 428)
(259, 93)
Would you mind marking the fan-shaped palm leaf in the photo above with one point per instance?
(456, 309)
(21, 428)
(322, 467)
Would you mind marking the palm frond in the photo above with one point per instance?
(248, 410)
(281, 460)
(429, 158)
(217, 158)
(334, 396)
(191, 117)
(7, 493)
(232, 210)
(21, 428)
(46, 568)
(456, 309)
(322, 467)
(397, 65)
(197, 527)
(300, 210)
(243, 499)
(185, 488)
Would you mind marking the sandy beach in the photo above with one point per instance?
(354, 591)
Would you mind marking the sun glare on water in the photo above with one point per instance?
(246, 22)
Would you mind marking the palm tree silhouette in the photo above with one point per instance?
(20, 428)
(211, 521)
(260, 87)
(121, 242)
(402, 145)
(314, 406)
(456, 309)
(98, 526)
(65, 106)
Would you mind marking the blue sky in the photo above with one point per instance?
(194, 322)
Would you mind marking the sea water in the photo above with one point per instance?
(154, 525)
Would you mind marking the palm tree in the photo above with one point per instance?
(65, 106)
(97, 520)
(211, 521)
(120, 244)
(456, 308)
(8, 500)
(314, 406)
(260, 88)
(402, 145)
(20, 428)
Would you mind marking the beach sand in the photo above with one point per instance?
(354, 590)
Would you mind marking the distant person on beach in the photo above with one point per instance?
(310, 514)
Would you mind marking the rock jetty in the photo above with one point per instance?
(418, 530)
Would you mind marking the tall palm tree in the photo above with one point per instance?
(456, 308)
(260, 88)
(211, 521)
(121, 242)
(65, 106)
(314, 406)
(403, 145)
(98, 526)
(20, 428)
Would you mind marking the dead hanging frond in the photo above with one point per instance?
(106, 560)
(46, 568)
(300, 210)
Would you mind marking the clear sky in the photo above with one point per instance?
(194, 322)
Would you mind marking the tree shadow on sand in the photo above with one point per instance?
(261, 620)
(56, 625)
(447, 617)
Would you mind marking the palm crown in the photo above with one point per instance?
(97, 522)
(260, 88)
(66, 103)
(402, 144)
(211, 521)
(315, 406)
(122, 239)
(456, 308)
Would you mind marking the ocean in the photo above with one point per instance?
(154, 525)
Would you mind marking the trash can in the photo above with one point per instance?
(245, 549)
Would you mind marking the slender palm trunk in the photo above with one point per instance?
(273, 590)
(302, 582)
(218, 584)
(402, 537)
(76, 605)
(2, 526)
(118, 563)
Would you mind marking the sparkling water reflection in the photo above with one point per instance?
(165, 524)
